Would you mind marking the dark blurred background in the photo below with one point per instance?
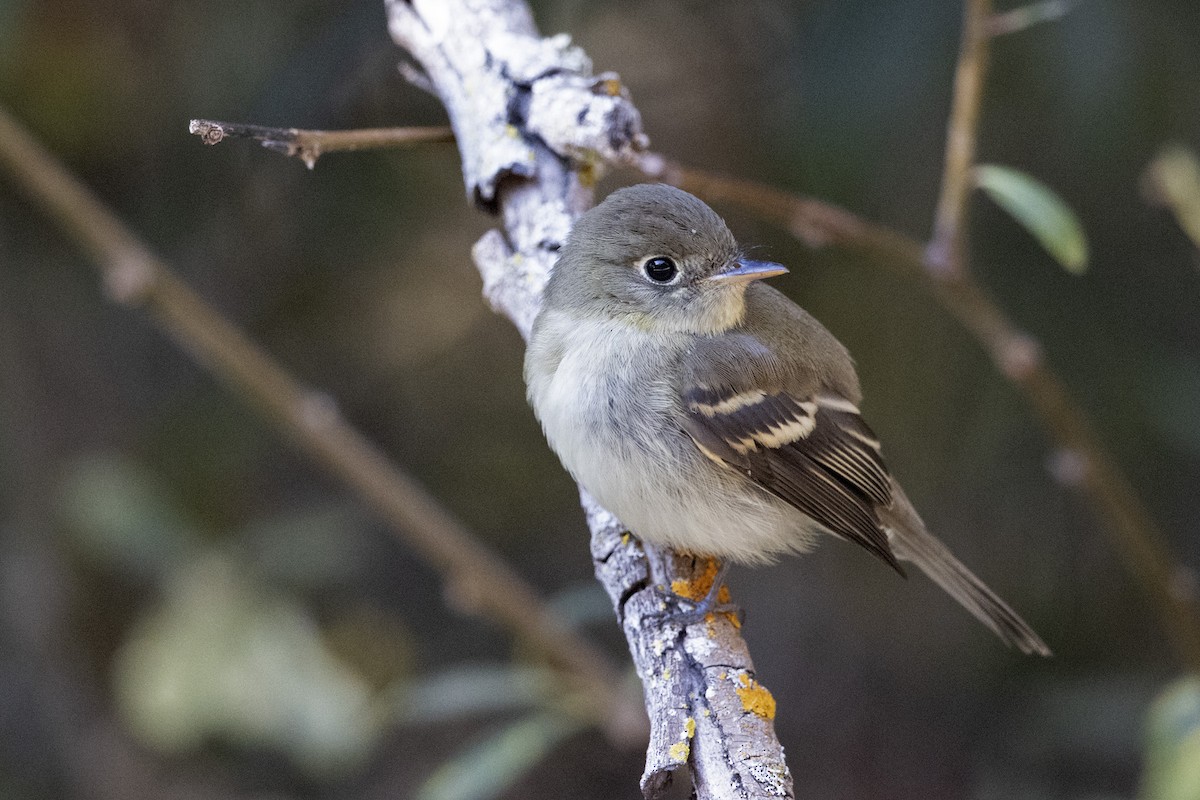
(190, 608)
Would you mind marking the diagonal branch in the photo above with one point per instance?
(530, 119)
(477, 577)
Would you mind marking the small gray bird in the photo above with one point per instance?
(709, 412)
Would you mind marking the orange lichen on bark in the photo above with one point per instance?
(681, 750)
(755, 697)
(698, 588)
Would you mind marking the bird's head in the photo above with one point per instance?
(658, 258)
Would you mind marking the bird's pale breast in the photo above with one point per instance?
(605, 395)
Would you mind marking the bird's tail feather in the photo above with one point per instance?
(910, 541)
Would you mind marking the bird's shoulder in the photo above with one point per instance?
(778, 348)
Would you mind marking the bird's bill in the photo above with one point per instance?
(744, 271)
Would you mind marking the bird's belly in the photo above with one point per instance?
(612, 431)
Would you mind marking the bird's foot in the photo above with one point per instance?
(693, 601)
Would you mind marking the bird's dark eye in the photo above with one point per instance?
(660, 269)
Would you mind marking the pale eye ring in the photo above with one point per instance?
(660, 269)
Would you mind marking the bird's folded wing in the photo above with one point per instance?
(814, 452)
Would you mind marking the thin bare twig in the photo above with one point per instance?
(309, 145)
(1016, 354)
(945, 251)
(478, 579)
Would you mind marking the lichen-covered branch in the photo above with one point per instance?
(707, 708)
(533, 124)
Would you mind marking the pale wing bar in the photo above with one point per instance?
(815, 453)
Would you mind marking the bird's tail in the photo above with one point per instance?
(911, 541)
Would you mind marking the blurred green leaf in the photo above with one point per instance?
(472, 690)
(122, 518)
(223, 659)
(1039, 210)
(1173, 744)
(1173, 179)
(314, 548)
(489, 767)
(375, 642)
